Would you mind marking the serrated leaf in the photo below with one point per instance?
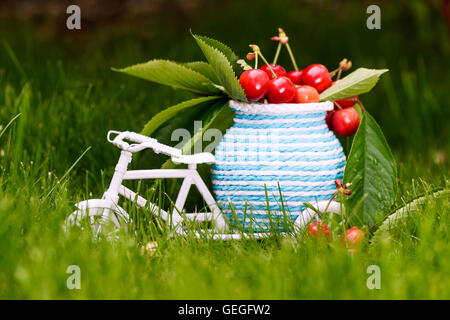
(204, 68)
(372, 170)
(244, 65)
(358, 82)
(169, 73)
(171, 112)
(226, 50)
(222, 69)
(401, 214)
(215, 88)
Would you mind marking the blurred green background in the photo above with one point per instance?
(61, 82)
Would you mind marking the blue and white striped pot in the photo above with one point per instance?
(275, 147)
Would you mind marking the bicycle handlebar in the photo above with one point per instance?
(144, 142)
(128, 135)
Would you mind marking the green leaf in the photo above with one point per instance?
(215, 88)
(358, 82)
(171, 112)
(222, 69)
(204, 68)
(226, 50)
(169, 73)
(220, 118)
(244, 65)
(372, 170)
(383, 233)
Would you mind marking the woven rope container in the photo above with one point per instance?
(275, 147)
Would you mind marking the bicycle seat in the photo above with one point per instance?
(203, 157)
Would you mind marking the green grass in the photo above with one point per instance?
(68, 99)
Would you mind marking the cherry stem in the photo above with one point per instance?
(277, 53)
(337, 104)
(343, 222)
(339, 74)
(288, 47)
(268, 65)
(344, 217)
(256, 61)
(328, 204)
(361, 104)
(256, 50)
(332, 73)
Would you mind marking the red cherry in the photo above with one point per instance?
(281, 90)
(316, 76)
(279, 70)
(255, 83)
(295, 76)
(345, 122)
(353, 236)
(329, 119)
(346, 103)
(315, 227)
(305, 94)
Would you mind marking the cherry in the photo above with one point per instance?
(255, 83)
(347, 103)
(281, 90)
(316, 76)
(295, 76)
(353, 237)
(315, 227)
(345, 122)
(329, 119)
(305, 94)
(279, 70)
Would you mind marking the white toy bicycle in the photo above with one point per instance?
(99, 211)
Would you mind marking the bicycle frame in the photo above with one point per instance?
(190, 177)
